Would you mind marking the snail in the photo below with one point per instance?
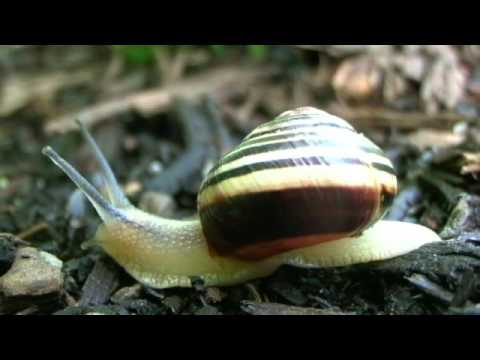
(305, 189)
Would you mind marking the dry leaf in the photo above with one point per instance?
(392, 74)
(17, 92)
(412, 65)
(394, 86)
(443, 86)
(222, 82)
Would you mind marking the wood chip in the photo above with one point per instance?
(100, 284)
(465, 289)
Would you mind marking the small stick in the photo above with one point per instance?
(32, 231)
(253, 290)
(371, 117)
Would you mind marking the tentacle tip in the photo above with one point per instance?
(47, 151)
(80, 123)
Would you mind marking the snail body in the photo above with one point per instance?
(304, 189)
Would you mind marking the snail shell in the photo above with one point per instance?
(304, 178)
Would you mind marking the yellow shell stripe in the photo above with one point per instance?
(313, 122)
(313, 137)
(347, 175)
(297, 155)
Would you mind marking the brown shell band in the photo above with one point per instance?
(234, 224)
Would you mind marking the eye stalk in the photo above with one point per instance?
(304, 189)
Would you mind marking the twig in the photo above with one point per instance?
(430, 288)
(29, 311)
(468, 310)
(370, 117)
(33, 230)
(253, 290)
(223, 82)
(16, 92)
(254, 308)
(198, 140)
(15, 240)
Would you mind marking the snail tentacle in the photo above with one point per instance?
(104, 209)
(113, 190)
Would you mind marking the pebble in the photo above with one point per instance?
(33, 273)
(157, 203)
(127, 293)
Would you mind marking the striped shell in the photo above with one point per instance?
(301, 179)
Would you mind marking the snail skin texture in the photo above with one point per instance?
(305, 189)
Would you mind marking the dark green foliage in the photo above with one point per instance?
(137, 54)
(141, 55)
